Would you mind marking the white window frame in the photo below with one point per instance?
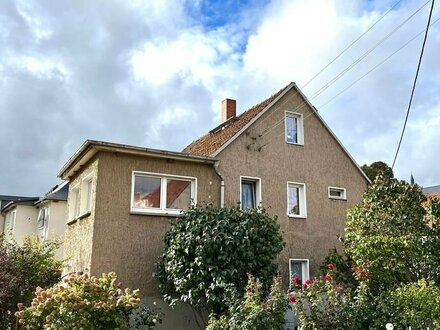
(74, 202)
(305, 269)
(342, 190)
(162, 210)
(302, 200)
(12, 216)
(257, 182)
(86, 193)
(43, 211)
(299, 127)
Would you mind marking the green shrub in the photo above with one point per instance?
(23, 268)
(88, 303)
(209, 250)
(253, 311)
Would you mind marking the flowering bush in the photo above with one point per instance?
(253, 311)
(83, 302)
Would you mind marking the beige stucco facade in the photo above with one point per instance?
(111, 237)
(319, 163)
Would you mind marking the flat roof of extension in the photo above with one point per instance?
(90, 147)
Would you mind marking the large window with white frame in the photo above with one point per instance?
(250, 192)
(299, 270)
(296, 200)
(80, 198)
(294, 128)
(86, 194)
(10, 220)
(154, 193)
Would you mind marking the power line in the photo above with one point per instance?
(349, 46)
(343, 72)
(345, 49)
(350, 85)
(414, 84)
(363, 56)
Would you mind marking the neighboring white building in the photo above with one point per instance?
(45, 216)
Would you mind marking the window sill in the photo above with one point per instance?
(338, 199)
(297, 216)
(156, 213)
(295, 144)
(79, 217)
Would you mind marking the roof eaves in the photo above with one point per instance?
(94, 146)
(245, 127)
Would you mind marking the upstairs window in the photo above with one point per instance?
(337, 193)
(10, 220)
(162, 194)
(296, 200)
(299, 268)
(294, 128)
(250, 193)
(42, 218)
(80, 198)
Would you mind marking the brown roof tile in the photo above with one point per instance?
(209, 143)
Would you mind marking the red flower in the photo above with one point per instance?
(308, 282)
(328, 278)
(330, 266)
(292, 299)
(296, 280)
(248, 290)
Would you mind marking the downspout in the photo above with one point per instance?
(222, 184)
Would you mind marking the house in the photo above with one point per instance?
(20, 217)
(279, 154)
(431, 190)
(5, 199)
(282, 155)
(43, 216)
(52, 214)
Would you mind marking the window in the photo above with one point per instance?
(86, 195)
(10, 220)
(43, 218)
(294, 128)
(337, 193)
(80, 198)
(296, 200)
(250, 192)
(299, 268)
(162, 194)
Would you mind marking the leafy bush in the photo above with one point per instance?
(86, 302)
(252, 311)
(22, 269)
(416, 305)
(210, 250)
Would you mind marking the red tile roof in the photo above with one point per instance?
(211, 142)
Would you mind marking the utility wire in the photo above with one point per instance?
(350, 85)
(351, 66)
(414, 85)
(350, 45)
(345, 49)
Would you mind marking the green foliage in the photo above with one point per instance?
(253, 311)
(392, 244)
(342, 268)
(376, 169)
(86, 302)
(416, 305)
(209, 250)
(23, 268)
(388, 237)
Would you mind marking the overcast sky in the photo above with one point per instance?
(153, 74)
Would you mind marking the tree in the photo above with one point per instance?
(375, 169)
(392, 243)
(210, 250)
(22, 269)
